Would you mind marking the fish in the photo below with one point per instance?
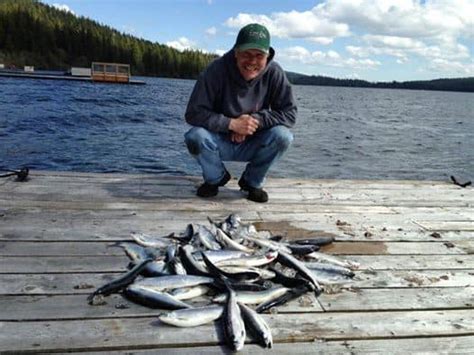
(207, 238)
(331, 259)
(120, 283)
(192, 317)
(185, 237)
(164, 283)
(292, 262)
(229, 243)
(331, 268)
(153, 298)
(257, 326)
(290, 282)
(262, 273)
(286, 297)
(234, 327)
(174, 263)
(187, 293)
(249, 297)
(242, 285)
(156, 268)
(218, 272)
(216, 256)
(242, 231)
(190, 263)
(320, 241)
(137, 253)
(147, 240)
(251, 260)
(297, 249)
(326, 277)
(270, 244)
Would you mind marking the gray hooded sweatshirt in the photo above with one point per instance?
(221, 93)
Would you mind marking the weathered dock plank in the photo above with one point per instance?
(430, 345)
(127, 333)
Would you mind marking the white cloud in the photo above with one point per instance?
(220, 52)
(452, 67)
(294, 24)
(329, 58)
(405, 18)
(211, 31)
(182, 44)
(64, 8)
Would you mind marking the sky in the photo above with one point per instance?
(375, 40)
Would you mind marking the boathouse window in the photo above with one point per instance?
(122, 69)
(98, 67)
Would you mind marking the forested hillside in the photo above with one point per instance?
(32, 33)
(455, 84)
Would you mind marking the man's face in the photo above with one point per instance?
(250, 62)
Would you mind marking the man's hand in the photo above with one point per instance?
(244, 125)
(237, 138)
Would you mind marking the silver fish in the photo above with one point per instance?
(290, 261)
(218, 255)
(229, 243)
(135, 252)
(330, 278)
(234, 328)
(270, 244)
(164, 283)
(251, 260)
(208, 239)
(263, 273)
(257, 326)
(330, 268)
(254, 297)
(192, 317)
(191, 264)
(333, 260)
(153, 299)
(147, 240)
(187, 293)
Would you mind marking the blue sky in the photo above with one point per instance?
(376, 40)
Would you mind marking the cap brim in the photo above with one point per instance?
(246, 46)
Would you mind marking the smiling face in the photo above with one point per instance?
(250, 62)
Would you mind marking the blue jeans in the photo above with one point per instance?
(261, 150)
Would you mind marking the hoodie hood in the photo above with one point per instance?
(231, 63)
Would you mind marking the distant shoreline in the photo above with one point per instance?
(455, 84)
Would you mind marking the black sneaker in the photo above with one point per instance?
(209, 190)
(256, 195)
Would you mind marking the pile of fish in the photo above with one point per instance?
(232, 265)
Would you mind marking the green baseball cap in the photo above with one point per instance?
(253, 36)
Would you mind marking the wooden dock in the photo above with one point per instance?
(414, 240)
(24, 75)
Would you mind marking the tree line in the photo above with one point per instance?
(33, 33)
(456, 84)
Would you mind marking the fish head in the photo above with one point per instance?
(238, 341)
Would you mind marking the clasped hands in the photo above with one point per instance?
(241, 127)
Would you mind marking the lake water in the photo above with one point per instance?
(340, 133)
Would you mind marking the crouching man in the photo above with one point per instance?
(241, 107)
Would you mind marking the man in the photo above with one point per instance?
(241, 108)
